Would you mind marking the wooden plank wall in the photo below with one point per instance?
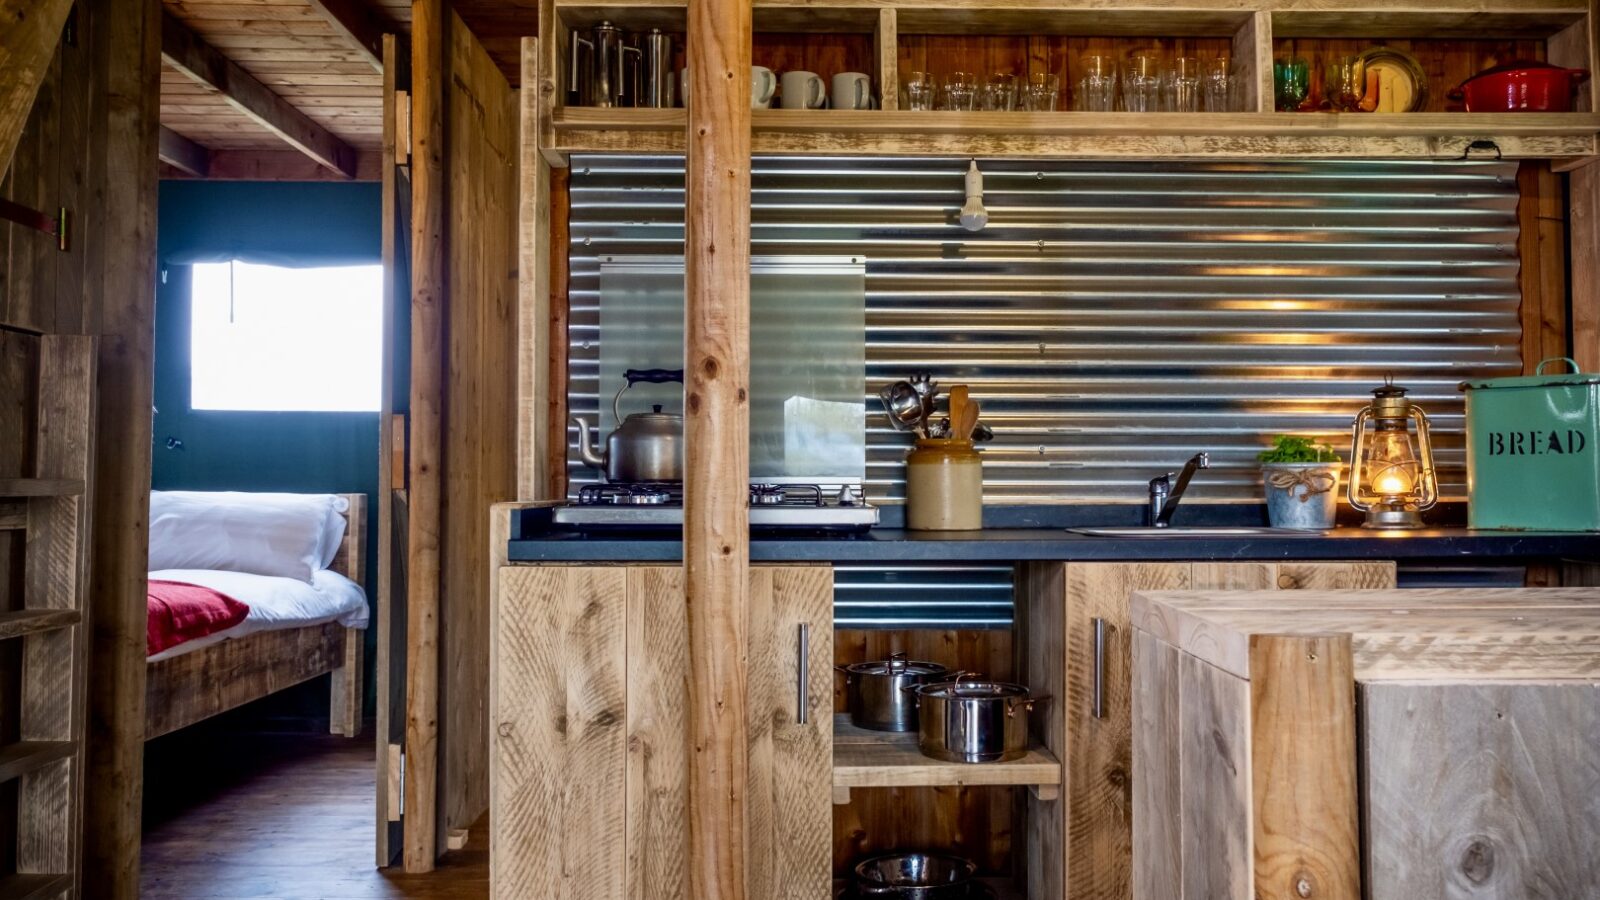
(41, 288)
(480, 403)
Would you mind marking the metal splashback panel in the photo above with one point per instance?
(1115, 317)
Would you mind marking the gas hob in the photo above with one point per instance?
(772, 505)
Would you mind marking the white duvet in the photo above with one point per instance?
(275, 602)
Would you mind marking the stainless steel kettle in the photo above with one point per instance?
(645, 447)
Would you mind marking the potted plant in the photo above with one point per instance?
(1302, 481)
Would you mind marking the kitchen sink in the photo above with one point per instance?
(1179, 531)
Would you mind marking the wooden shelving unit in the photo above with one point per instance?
(866, 759)
(40, 487)
(44, 612)
(1563, 26)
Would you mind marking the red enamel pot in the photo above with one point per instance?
(1521, 87)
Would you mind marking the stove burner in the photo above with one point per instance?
(765, 495)
(626, 495)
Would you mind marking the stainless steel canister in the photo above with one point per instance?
(877, 693)
(974, 721)
(657, 81)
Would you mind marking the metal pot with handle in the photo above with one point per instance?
(875, 692)
(645, 447)
(973, 721)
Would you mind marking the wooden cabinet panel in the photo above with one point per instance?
(1098, 824)
(1059, 603)
(590, 750)
(790, 812)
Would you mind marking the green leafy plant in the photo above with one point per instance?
(1286, 448)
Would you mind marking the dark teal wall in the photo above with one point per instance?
(282, 224)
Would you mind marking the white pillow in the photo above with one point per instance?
(287, 535)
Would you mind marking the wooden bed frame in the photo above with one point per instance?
(182, 690)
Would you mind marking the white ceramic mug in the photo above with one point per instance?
(803, 90)
(851, 90)
(763, 84)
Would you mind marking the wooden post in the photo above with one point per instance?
(428, 347)
(716, 534)
(1584, 205)
(120, 294)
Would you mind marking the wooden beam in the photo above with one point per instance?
(358, 24)
(186, 52)
(429, 55)
(29, 32)
(276, 165)
(181, 153)
(120, 287)
(716, 532)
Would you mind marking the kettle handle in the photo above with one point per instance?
(653, 376)
(647, 376)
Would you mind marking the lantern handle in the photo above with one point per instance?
(1576, 369)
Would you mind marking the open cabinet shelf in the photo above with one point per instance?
(1048, 35)
(1091, 135)
(1000, 888)
(864, 759)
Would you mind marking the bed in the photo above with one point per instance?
(264, 655)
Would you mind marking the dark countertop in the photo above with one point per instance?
(533, 543)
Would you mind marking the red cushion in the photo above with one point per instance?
(181, 612)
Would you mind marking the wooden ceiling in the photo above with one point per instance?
(293, 89)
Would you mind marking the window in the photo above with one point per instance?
(273, 338)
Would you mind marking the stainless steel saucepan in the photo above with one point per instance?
(876, 692)
(972, 721)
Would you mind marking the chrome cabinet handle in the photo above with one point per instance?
(1097, 698)
(803, 692)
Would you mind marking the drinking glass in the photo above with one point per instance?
(1141, 82)
(921, 88)
(1216, 84)
(1041, 93)
(1180, 85)
(1097, 88)
(960, 92)
(1000, 92)
(1344, 83)
(1291, 77)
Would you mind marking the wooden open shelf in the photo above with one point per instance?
(23, 622)
(40, 487)
(22, 757)
(1250, 28)
(1092, 135)
(863, 759)
(33, 887)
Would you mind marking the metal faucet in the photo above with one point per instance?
(1164, 495)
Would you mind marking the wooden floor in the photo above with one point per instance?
(285, 817)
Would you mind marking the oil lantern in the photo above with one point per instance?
(1392, 476)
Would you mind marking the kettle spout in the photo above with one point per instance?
(591, 457)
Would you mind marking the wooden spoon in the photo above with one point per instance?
(958, 406)
(964, 421)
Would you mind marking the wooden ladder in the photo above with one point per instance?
(42, 748)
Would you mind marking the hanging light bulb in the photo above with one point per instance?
(973, 215)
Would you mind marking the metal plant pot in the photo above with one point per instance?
(1303, 496)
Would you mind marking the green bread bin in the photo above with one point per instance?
(1533, 451)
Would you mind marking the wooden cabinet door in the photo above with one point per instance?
(1084, 842)
(589, 788)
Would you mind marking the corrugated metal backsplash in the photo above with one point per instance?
(1114, 318)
